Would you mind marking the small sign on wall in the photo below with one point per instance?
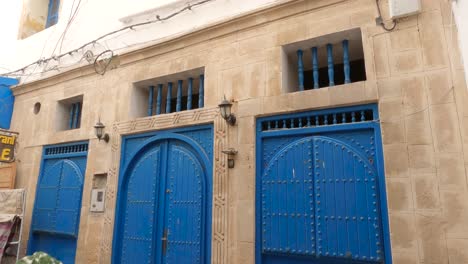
(7, 146)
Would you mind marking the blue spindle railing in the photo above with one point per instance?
(325, 120)
(300, 69)
(317, 121)
(72, 114)
(331, 72)
(343, 118)
(189, 93)
(201, 94)
(353, 117)
(179, 96)
(346, 66)
(284, 123)
(168, 97)
(363, 117)
(150, 100)
(315, 67)
(77, 113)
(334, 119)
(276, 124)
(159, 99)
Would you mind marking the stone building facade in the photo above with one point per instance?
(413, 73)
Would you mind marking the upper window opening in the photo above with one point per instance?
(52, 14)
(69, 113)
(168, 94)
(324, 61)
(37, 15)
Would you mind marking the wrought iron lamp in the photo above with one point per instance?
(230, 153)
(99, 127)
(225, 109)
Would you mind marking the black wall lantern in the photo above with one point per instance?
(99, 127)
(231, 153)
(225, 109)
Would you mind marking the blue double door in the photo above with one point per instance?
(164, 204)
(56, 214)
(320, 192)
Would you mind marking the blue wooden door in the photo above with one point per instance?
(56, 213)
(320, 191)
(164, 204)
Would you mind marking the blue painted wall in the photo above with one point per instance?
(7, 101)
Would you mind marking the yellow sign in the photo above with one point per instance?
(7, 147)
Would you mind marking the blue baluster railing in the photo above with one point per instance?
(179, 96)
(346, 66)
(72, 114)
(168, 97)
(300, 69)
(189, 93)
(150, 100)
(331, 72)
(159, 99)
(201, 94)
(315, 67)
(76, 116)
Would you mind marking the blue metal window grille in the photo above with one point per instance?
(185, 98)
(331, 74)
(52, 14)
(74, 120)
(66, 149)
(318, 119)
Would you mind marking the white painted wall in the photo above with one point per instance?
(95, 18)
(460, 11)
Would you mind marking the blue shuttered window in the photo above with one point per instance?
(52, 14)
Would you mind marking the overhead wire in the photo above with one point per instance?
(159, 19)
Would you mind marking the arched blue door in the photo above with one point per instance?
(56, 214)
(320, 189)
(163, 204)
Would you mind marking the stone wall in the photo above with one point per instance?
(414, 73)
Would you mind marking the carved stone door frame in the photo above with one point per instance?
(220, 188)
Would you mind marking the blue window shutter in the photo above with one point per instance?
(52, 14)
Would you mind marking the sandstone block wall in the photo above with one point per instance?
(414, 73)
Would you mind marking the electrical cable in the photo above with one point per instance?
(380, 19)
(130, 27)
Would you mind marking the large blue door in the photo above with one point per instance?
(56, 214)
(320, 189)
(164, 199)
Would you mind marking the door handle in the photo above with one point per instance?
(164, 241)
